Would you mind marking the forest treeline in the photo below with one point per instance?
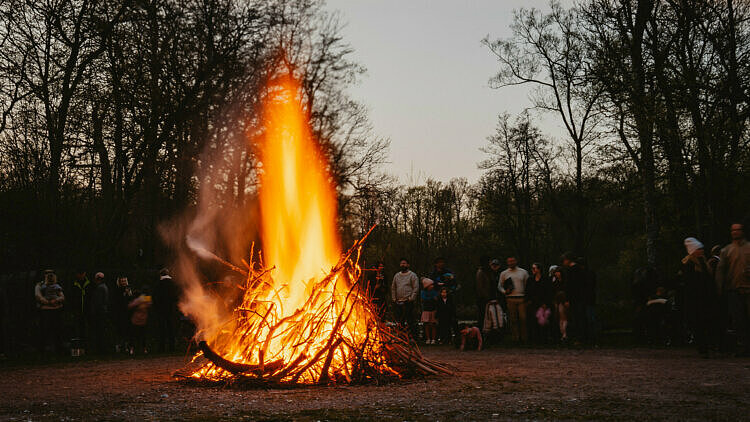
(653, 99)
(116, 113)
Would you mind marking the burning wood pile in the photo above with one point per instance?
(297, 323)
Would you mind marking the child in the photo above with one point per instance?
(470, 335)
(429, 307)
(50, 294)
(138, 320)
(542, 315)
(446, 314)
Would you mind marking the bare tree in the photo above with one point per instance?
(548, 51)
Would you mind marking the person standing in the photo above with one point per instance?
(122, 296)
(589, 303)
(4, 314)
(562, 305)
(576, 280)
(166, 298)
(700, 295)
(50, 298)
(484, 287)
(139, 308)
(377, 290)
(429, 309)
(78, 294)
(443, 277)
(446, 315)
(99, 313)
(513, 284)
(404, 289)
(733, 277)
(539, 295)
(495, 270)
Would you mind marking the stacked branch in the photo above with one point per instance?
(335, 336)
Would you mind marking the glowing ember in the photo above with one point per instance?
(305, 320)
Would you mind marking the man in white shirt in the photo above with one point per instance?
(404, 291)
(513, 285)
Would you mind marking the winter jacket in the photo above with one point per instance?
(733, 271)
(166, 296)
(700, 289)
(486, 288)
(539, 292)
(139, 306)
(429, 300)
(446, 310)
(78, 295)
(100, 300)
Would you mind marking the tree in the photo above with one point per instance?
(548, 51)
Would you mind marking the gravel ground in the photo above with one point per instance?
(496, 384)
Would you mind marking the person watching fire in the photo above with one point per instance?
(404, 290)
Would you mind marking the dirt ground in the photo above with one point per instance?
(496, 384)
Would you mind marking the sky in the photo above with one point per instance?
(427, 81)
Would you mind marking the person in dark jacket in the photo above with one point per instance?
(121, 297)
(78, 296)
(485, 289)
(446, 315)
(646, 281)
(576, 281)
(589, 303)
(443, 277)
(99, 313)
(562, 305)
(700, 295)
(378, 290)
(538, 295)
(166, 298)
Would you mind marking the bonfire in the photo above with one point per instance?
(303, 317)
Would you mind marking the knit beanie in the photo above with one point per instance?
(692, 244)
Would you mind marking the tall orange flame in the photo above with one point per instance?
(304, 321)
(297, 198)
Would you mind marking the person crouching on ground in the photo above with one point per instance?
(446, 315)
(138, 320)
(429, 307)
(470, 336)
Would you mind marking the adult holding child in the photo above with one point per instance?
(50, 298)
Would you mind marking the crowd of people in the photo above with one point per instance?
(555, 305)
(100, 317)
(545, 305)
(558, 304)
(708, 303)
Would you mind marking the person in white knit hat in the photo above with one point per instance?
(693, 246)
(700, 296)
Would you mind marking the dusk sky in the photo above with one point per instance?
(427, 79)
